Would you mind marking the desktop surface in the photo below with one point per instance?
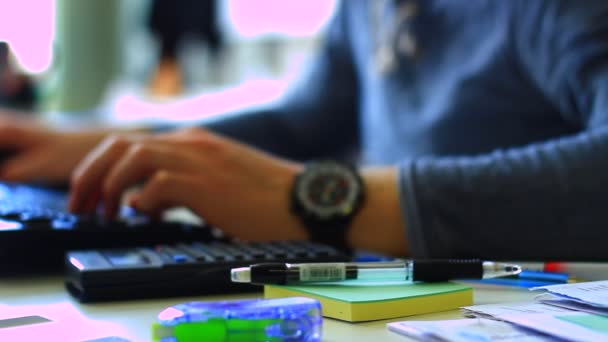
(46, 296)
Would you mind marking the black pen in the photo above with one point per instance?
(408, 270)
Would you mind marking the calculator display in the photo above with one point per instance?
(125, 258)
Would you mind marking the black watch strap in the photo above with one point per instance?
(331, 234)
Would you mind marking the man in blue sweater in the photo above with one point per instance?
(480, 127)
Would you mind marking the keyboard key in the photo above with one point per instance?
(34, 217)
(11, 214)
(63, 224)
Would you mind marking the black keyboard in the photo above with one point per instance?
(183, 269)
(36, 230)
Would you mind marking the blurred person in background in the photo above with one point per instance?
(173, 21)
(17, 89)
(480, 129)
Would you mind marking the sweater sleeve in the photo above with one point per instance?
(538, 202)
(318, 116)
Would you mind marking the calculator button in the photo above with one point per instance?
(198, 254)
(294, 249)
(180, 258)
(217, 253)
(231, 250)
(252, 251)
(275, 250)
(172, 255)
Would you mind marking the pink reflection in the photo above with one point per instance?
(28, 27)
(76, 263)
(297, 18)
(169, 314)
(10, 225)
(128, 108)
(66, 324)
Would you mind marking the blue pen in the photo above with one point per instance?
(528, 279)
(560, 278)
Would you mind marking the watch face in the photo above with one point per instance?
(327, 190)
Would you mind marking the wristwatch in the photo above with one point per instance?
(326, 196)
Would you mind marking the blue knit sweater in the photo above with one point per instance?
(497, 120)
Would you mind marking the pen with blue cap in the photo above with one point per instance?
(528, 279)
(401, 270)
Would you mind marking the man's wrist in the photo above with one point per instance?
(380, 225)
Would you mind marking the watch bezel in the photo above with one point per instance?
(309, 210)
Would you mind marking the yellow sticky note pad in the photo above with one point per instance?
(365, 302)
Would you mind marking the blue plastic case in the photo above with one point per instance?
(295, 319)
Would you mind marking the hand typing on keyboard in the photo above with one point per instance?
(232, 186)
(237, 188)
(242, 190)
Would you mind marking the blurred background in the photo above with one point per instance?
(128, 61)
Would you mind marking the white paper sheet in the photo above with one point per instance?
(572, 305)
(593, 293)
(572, 326)
(501, 309)
(466, 330)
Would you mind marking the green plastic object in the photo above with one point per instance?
(295, 319)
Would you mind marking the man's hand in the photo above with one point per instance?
(243, 191)
(39, 153)
(235, 187)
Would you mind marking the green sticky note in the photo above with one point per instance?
(362, 293)
(591, 322)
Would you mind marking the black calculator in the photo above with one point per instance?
(182, 269)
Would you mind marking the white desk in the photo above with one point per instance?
(45, 296)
